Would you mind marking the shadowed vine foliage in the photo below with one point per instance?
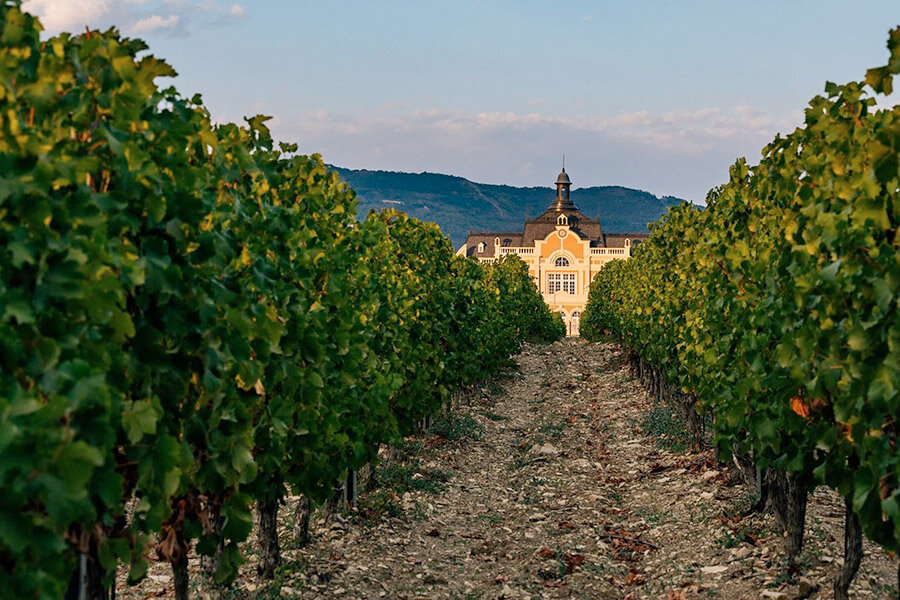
(776, 305)
(192, 319)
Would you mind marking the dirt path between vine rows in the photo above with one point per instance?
(563, 481)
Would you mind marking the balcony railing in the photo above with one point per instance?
(594, 251)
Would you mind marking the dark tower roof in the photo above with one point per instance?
(547, 221)
(563, 187)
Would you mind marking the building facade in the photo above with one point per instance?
(563, 249)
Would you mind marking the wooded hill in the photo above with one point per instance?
(458, 205)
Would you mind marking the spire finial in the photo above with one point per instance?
(564, 162)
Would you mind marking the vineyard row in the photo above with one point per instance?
(193, 321)
(773, 311)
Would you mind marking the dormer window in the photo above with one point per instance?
(562, 220)
(480, 247)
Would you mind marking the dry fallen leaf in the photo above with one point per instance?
(573, 561)
(634, 578)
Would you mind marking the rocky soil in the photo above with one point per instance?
(562, 481)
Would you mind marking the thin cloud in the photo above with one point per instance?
(686, 131)
(683, 153)
(154, 22)
(67, 15)
(133, 16)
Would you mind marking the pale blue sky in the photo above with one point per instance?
(653, 94)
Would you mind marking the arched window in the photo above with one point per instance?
(506, 243)
(480, 247)
(627, 242)
(561, 261)
(562, 220)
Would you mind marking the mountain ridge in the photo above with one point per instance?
(459, 205)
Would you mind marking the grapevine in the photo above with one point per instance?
(775, 309)
(192, 321)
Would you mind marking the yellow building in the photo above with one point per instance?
(563, 248)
